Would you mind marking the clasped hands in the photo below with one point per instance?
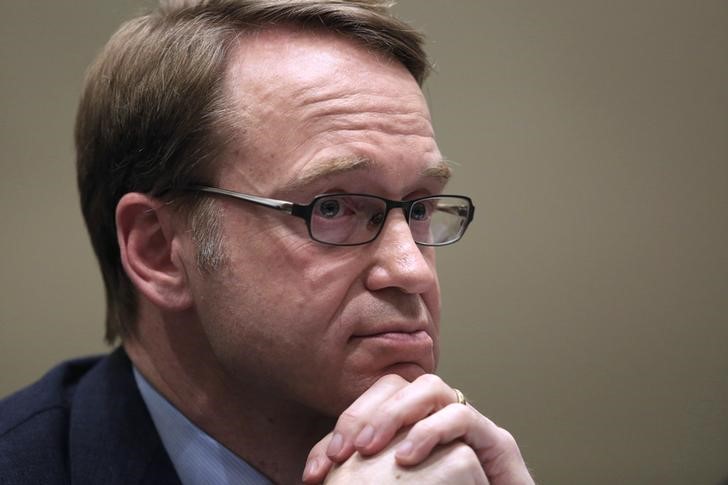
(415, 433)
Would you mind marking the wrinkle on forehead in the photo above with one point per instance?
(393, 113)
(300, 90)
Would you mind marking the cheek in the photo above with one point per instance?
(276, 322)
(284, 277)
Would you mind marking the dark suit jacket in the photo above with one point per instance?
(83, 423)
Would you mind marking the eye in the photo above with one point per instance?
(419, 211)
(329, 208)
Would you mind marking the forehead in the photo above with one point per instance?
(313, 102)
(305, 59)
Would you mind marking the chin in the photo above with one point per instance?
(357, 386)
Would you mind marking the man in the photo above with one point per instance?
(263, 191)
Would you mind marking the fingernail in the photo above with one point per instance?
(404, 449)
(365, 436)
(337, 442)
(310, 469)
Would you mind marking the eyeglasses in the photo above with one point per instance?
(354, 219)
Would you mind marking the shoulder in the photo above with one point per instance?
(51, 394)
(34, 426)
(83, 422)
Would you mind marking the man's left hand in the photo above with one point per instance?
(436, 417)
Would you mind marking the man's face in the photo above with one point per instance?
(306, 322)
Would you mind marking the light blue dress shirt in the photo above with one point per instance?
(197, 457)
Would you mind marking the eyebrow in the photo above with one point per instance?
(441, 170)
(341, 165)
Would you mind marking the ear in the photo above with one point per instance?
(151, 252)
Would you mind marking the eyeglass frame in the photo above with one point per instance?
(304, 211)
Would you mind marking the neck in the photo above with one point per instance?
(272, 434)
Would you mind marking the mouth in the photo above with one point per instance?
(405, 345)
(395, 335)
(399, 330)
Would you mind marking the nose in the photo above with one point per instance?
(398, 262)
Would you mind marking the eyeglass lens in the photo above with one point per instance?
(357, 219)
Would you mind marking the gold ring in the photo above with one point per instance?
(460, 397)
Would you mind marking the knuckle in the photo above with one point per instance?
(459, 412)
(391, 411)
(506, 441)
(391, 380)
(348, 417)
(423, 429)
(430, 380)
(463, 457)
(439, 388)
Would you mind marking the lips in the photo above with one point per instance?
(407, 341)
(418, 339)
(391, 329)
(395, 335)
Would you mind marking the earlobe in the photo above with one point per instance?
(148, 247)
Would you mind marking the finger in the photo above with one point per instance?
(317, 464)
(354, 419)
(495, 447)
(502, 459)
(454, 421)
(454, 462)
(424, 396)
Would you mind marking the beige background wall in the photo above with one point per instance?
(587, 309)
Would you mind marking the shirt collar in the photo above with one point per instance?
(197, 457)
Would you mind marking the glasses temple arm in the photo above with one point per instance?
(281, 205)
